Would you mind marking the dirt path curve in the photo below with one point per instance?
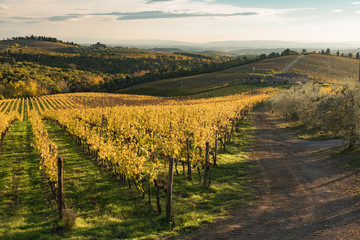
(292, 64)
(303, 195)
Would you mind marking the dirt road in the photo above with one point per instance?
(292, 64)
(302, 194)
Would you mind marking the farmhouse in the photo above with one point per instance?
(98, 45)
(290, 78)
(272, 80)
(253, 79)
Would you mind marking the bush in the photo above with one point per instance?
(335, 109)
(69, 219)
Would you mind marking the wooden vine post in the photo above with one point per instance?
(188, 159)
(169, 190)
(225, 136)
(216, 147)
(206, 167)
(232, 129)
(61, 194)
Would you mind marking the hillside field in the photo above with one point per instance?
(113, 174)
(323, 68)
(217, 82)
(331, 69)
(42, 66)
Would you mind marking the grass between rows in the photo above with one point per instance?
(106, 208)
(26, 209)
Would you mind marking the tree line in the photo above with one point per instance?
(42, 38)
(27, 74)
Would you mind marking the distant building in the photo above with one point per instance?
(253, 79)
(288, 78)
(272, 80)
(98, 45)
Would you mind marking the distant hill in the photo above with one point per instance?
(326, 68)
(208, 52)
(38, 65)
(236, 46)
(219, 53)
(167, 50)
(199, 84)
(29, 45)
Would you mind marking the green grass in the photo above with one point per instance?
(347, 159)
(106, 208)
(26, 209)
(303, 132)
(196, 205)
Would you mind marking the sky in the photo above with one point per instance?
(183, 20)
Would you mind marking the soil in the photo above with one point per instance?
(302, 194)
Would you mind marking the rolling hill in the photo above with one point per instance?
(33, 66)
(29, 45)
(326, 68)
(199, 84)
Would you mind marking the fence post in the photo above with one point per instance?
(169, 190)
(61, 194)
(232, 130)
(225, 135)
(188, 159)
(206, 163)
(216, 147)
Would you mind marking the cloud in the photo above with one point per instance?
(122, 16)
(162, 15)
(355, 3)
(42, 19)
(161, 9)
(153, 1)
(337, 10)
(25, 19)
(63, 18)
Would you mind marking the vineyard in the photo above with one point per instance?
(124, 144)
(330, 69)
(215, 82)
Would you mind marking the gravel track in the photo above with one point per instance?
(302, 194)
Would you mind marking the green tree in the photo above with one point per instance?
(263, 55)
(288, 51)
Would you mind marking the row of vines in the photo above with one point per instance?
(136, 138)
(137, 142)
